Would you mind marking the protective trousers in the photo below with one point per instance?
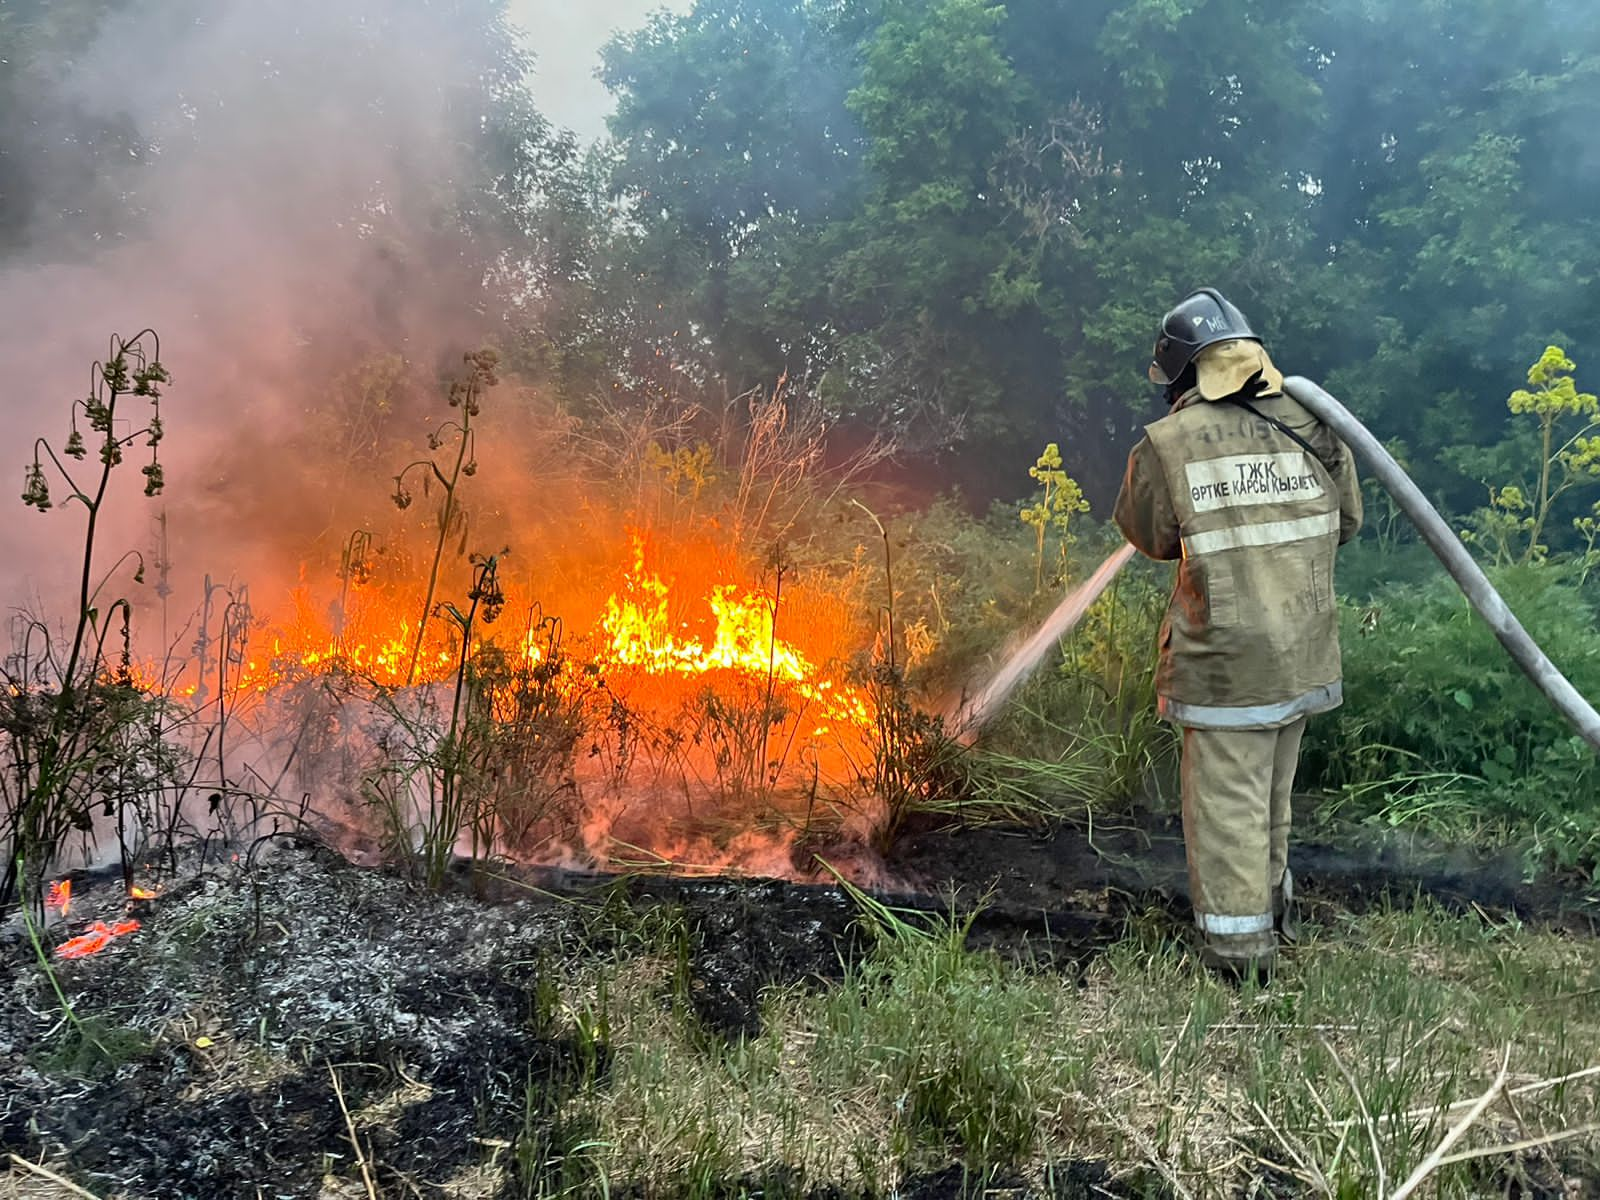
(1236, 815)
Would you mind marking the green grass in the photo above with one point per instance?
(928, 1055)
(1440, 732)
(92, 1047)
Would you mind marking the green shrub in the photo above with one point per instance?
(964, 586)
(1083, 728)
(1369, 567)
(1439, 725)
(1097, 705)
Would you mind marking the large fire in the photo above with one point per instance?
(639, 633)
(650, 638)
(686, 697)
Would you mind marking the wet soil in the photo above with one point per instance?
(270, 1002)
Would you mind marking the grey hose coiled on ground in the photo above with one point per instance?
(1463, 568)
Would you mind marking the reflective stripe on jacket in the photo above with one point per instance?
(1251, 637)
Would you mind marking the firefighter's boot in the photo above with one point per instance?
(1240, 958)
(1285, 914)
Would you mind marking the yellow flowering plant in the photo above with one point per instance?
(1059, 497)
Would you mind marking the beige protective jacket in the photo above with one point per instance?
(1251, 637)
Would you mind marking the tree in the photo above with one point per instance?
(1394, 193)
(733, 145)
(927, 324)
(1456, 149)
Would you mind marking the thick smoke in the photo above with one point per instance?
(300, 190)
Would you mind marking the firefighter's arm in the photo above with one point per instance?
(1144, 509)
(1343, 470)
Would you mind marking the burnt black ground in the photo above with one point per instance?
(310, 962)
(1140, 863)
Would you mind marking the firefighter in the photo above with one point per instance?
(1252, 496)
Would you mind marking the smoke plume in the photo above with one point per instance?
(281, 190)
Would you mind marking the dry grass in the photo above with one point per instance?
(27, 1180)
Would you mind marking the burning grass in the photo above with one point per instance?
(690, 699)
(661, 662)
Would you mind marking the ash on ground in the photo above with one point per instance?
(215, 1042)
(259, 1016)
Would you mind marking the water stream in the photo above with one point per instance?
(979, 708)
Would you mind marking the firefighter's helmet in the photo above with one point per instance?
(1200, 319)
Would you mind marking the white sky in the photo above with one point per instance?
(567, 36)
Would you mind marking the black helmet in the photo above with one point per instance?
(1201, 318)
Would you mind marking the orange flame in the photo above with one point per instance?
(60, 896)
(640, 630)
(100, 936)
(139, 893)
(637, 632)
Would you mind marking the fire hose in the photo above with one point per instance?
(1463, 568)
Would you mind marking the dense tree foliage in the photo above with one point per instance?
(963, 218)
